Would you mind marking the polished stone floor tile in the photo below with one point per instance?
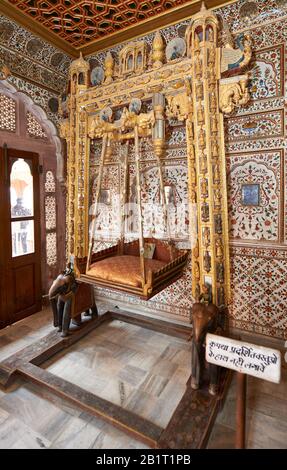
(14, 434)
(126, 371)
(79, 433)
(222, 437)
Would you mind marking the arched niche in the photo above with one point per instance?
(50, 150)
(51, 130)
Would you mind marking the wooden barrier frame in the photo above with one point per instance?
(184, 431)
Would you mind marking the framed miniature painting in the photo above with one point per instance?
(250, 194)
(105, 197)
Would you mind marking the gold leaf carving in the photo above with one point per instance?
(233, 92)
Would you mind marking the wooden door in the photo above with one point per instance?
(20, 258)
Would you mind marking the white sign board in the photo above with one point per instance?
(246, 358)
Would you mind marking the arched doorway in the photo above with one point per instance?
(33, 204)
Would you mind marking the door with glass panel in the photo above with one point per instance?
(20, 263)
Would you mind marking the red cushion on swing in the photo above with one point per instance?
(123, 269)
(163, 250)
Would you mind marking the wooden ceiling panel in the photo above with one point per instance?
(80, 21)
(91, 25)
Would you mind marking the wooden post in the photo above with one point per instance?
(240, 411)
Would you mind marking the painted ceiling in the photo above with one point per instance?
(76, 24)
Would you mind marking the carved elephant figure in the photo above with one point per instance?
(205, 320)
(61, 295)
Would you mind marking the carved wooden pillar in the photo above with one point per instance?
(76, 133)
(82, 185)
(211, 267)
(192, 186)
(71, 172)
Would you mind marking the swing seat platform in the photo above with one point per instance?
(119, 268)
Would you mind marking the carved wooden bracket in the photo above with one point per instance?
(233, 93)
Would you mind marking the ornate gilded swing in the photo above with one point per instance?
(199, 81)
(124, 266)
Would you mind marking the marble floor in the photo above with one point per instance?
(139, 369)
